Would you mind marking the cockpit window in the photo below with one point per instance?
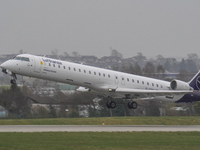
(22, 58)
(25, 59)
(17, 58)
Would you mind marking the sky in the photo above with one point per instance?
(94, 27)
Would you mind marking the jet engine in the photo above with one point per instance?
(82, 89)
(179, 85)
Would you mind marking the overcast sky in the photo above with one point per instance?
(93, 27)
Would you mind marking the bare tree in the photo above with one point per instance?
(160, 72)
(115, 53)
(140, 57)
(192, 56)
(21, 51)
(76, 54)
(66, 54)
(183, 75)
(149, 69)
(137, 69)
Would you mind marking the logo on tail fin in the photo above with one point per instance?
(195, 82)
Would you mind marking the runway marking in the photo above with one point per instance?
(96, 128)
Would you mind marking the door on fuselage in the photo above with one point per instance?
(37, 65)
(122, 80)
(116, 79)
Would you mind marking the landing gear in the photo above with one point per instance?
(13, 81)
(111, 104)
(132, 105)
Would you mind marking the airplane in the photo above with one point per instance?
(112, 84)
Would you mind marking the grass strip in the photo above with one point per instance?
(103, 140)
(106, 121)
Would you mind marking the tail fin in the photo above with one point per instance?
(195, 82)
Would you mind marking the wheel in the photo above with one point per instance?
(108, 104)
(129, 105)
(111, 104)
(132, 105)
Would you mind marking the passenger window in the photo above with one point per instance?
(104, 75)
(94, 73)
(138, 81)
(74, 69)
(147, 83)
(79, 70)
(157, 85)
(89, 72)
(99, 74)
(152, 84)
(108, 76)
(69, 68)
(49, 64)
(132, 80)
(84, 71)
(142, 82)
(64, 67)
(53, 65)
(58, 66)
(128, 79)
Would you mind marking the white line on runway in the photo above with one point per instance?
(93, 128)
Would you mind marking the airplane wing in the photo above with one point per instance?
(151, 93)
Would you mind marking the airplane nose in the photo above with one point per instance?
(2, 65)
(5, 65)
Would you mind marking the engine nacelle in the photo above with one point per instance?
(179, 85)
(82, 89)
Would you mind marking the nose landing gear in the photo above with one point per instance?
(13, 80)
(13, 75)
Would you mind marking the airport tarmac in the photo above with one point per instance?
(96, 128)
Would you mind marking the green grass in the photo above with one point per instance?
(102, 140)
(106, 120)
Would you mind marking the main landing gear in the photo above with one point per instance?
(132, 105)
(112, 104)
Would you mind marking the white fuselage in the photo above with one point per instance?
(94, 78)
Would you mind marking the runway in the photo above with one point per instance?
(96, 128)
